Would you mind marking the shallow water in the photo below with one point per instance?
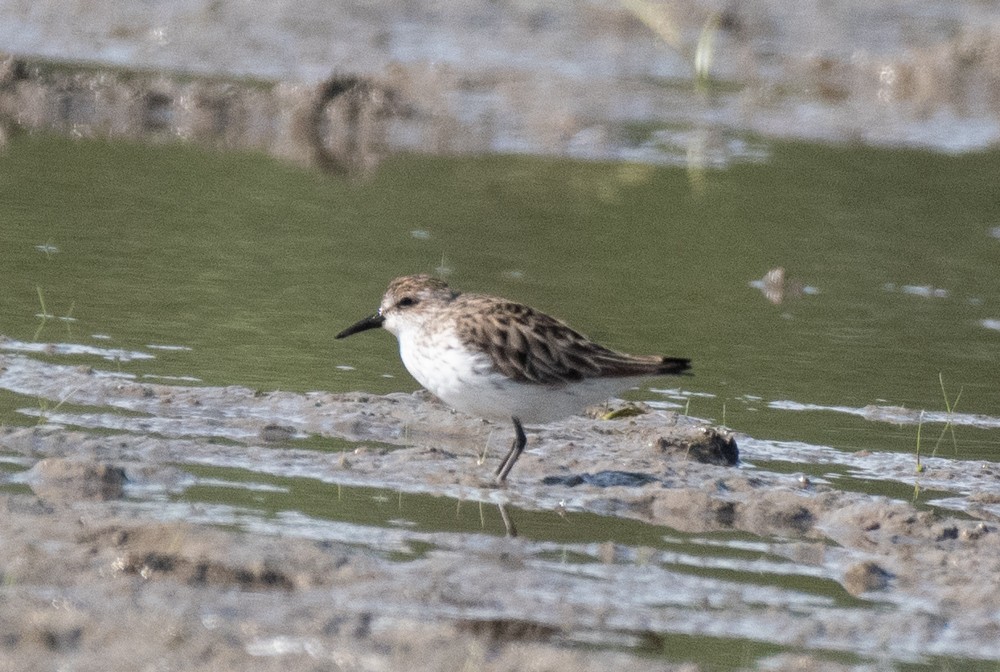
(176, 265)
(237, 270)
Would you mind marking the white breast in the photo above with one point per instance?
(465, 380)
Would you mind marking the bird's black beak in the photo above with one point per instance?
(371, 322)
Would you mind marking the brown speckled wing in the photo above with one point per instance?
(532, 347)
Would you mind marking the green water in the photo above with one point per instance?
(250, 266)
(253, 265)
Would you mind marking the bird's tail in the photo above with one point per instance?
(616, 364)
(674, 365)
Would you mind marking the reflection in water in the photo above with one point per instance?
(778, 288)
(346, 124)
(337, 126)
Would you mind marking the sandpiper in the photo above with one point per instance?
(497, 359)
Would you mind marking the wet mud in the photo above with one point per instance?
(99, 540)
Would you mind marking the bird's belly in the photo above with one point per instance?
(496, 397)
(467, 382)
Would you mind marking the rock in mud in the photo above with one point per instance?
(866, 577)
(60, 478)
(707, 445)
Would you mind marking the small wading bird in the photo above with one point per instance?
(497, 359)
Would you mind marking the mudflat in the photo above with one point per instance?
(106, 564)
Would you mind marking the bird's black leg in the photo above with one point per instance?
(515, 452)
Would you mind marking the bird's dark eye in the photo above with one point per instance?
(406, 302)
